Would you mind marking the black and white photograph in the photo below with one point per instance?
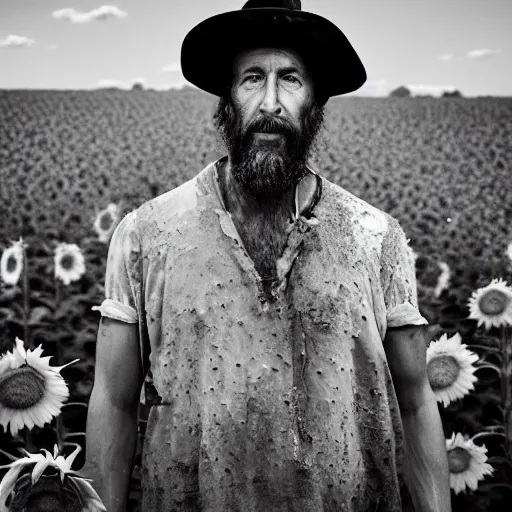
(256, 256)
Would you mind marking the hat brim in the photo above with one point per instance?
(208, 50)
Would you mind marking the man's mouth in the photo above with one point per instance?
(267, 136)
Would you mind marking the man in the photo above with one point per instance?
(274, 313)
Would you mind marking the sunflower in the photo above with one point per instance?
(467, 463)
(71, 493)
(31, 391)
(12, 262)
(450, 368)
(492, 305)
(106, 221)
(69, 263)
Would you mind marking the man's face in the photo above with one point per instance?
(270, 121)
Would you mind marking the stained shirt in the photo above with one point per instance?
(280, 402)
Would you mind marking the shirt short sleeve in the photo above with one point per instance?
(123, 275)
(398, 279)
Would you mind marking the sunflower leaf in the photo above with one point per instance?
(91, 500)
(8, 295)
(44, 301)
(38, 314)
(7, 485)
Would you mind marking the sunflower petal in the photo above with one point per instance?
(38, 470)
(71, 458)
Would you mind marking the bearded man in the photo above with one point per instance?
(272, 314)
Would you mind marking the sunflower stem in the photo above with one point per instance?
(494, 428)
(69, 404)
(485, 347)
(58, 432)
(487, 434)
(26, 303)
(57, 294)
(27, 435)
(8, 455)
(74, 434)
(506, 387)
(58, 419)
(58, 298)
(29, 440)
(491, 366)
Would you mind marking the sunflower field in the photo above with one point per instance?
(73, 163)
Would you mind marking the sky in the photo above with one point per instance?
(430, 46)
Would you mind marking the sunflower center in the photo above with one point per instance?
(458, 460)
(21, 388)
(442, 371)
(47, 495)
(12, 263)
(67, 261)
(494, 302)
(44, 502)
(106, 221)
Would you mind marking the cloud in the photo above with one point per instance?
(429, 89)
(12, 41)
(171, 68)
(446, 57)
(483, 53)
(51, 47)
(101, 13)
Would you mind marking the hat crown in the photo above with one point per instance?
(282, 4)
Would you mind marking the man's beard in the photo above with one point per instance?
(267, 170)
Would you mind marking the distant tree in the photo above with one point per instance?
(453, 94)
(138, 86)
(400, 92)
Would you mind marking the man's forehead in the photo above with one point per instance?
(272, 58)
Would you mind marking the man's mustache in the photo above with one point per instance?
(270, 125)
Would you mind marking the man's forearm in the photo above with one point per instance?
(111, 444)
(427, 474)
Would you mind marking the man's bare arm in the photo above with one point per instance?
(112, 415)
(427, 474)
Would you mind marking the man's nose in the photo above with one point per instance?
(270, 104)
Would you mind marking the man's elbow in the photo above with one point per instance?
(107, 397)
(414, 396)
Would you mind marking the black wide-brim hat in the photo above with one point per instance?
(208, 50)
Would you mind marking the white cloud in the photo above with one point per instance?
(171, 68)
(483, 53)
(446, 57)
(429, 89)
(51, 47)
(101, 13)
(12, 41)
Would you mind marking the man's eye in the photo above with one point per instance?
(291, 79)
(252, 79)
